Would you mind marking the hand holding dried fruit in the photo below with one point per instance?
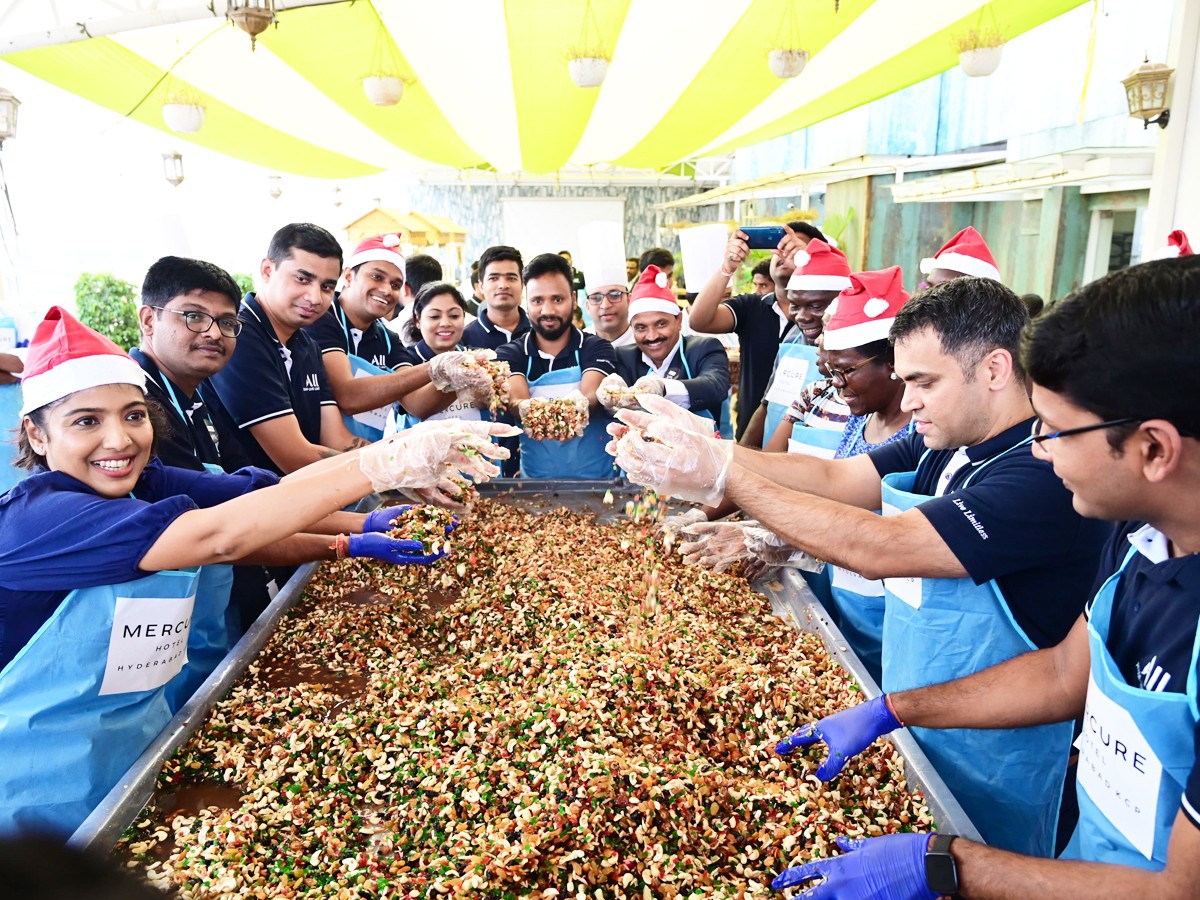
(673, 461)
(380, 520)
(766, 547)
(554, 418)
(398, 551)
(651, 385)
(846, 734)
(427, 526)
(891, 867)
(715, 545)
(418, 456)
(462, 372)
(614, 393)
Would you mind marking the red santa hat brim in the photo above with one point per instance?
(653, 304)
(799, 282)
(856, 335)
(378, 254)
(960, 262)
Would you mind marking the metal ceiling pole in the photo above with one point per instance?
(151, 18)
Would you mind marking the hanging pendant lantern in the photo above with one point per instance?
(252, 16)
(587, 61)
(787, 60)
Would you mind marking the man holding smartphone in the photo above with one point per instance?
(760, 322)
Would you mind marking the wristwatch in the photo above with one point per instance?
(941, 871)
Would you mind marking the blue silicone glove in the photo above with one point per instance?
(389, 549)
(380, 520)
(891, 867)
(846, 734)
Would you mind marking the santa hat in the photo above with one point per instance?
(651, 294)
(820, 267)
(966, 252)
(1177, 245)
(66, 356)
(382, 247)
(866, 310)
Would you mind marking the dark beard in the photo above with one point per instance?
(550, 335)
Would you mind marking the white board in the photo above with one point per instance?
(548, 224)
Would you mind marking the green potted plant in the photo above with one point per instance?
(109, 305)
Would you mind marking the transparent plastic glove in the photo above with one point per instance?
(651, 384)
(676, 462)
(441, 494)
(770, 549)
(715, 545)
(607, 396)
(417, 457)
(846, 734)
(670, 527)
(658, 408)
(461, 372)
(891, 867)
(389, 549)
(380, 520)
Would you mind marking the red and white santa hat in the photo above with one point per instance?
(651, 294)
(382, 247)
(66, 356)
(1177, 245)
(820, 267)
(866, 310)
(966, 252)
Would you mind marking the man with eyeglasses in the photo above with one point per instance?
(1116, 386)
(608, 305)
(189, 325)
(274, 384)
(981, 553)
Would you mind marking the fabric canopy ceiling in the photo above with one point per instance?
(487, 81)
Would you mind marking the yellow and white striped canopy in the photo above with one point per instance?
(487, 81)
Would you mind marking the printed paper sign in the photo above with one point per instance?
(790, 374)
(846, 580)
(148, 644)
(372, 418)
(1119, 770)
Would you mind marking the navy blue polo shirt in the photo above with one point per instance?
(1154, 621)
(335, 333)
(204, 433)
(522, 356)
(483, 335)
(265, 380)
(1014, 523)
(760, 328)
(57, 534)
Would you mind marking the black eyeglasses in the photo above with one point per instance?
(1039, 438)
(229, 326)
(843, 375)
(612, 296)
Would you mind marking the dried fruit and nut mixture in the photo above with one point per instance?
(426, 524)
(499, 372)
(553, 419)
(558, 709)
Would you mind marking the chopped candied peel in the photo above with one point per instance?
(524, 729)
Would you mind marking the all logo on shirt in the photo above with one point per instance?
(1151, 676)
(379, 360)
(311, 383)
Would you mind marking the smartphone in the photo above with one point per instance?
(763, 237)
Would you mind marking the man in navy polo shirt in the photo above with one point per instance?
(981, 553)
(501, 319)
(760, 322)
(1116, 387)
(274, 385)
(556, 360)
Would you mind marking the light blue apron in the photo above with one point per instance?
(795, 369)
(10, 421)
(581, 457)
(1135, 754)
(1009, 781)
(82, 700)
(372, 423)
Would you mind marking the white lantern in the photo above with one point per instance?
(185, 118)
(8, 115)
(173, 168)
(787, 63)
(587, 71)
(383, 90)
